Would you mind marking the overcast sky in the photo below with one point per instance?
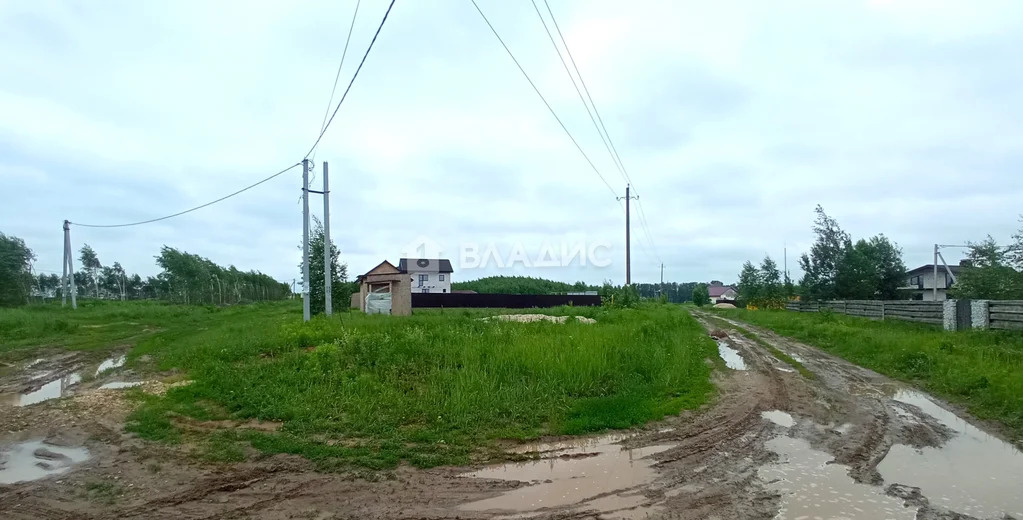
(733, 119)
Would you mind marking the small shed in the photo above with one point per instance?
(385, 290)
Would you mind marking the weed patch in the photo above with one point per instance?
(439, 387)
(980, 369)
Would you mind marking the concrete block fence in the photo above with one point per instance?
(957, 314)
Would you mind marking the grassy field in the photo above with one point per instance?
(982, 370)
(439, 387)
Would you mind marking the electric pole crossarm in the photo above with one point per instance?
(628, 236)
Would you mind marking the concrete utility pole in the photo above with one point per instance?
(628, 238)
(934, 281)
(306, 314)
(327, 307)
(662, 274)
(69, 268)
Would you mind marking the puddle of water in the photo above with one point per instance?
(33, 460)
(573, 473)
(52, 390)
(973, 472)
(108, 364)
(117, 385)
(784, 369)
(810, 487)
(779, 417)
(731, 356)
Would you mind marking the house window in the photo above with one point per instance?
(426, 290)
(423, 278)
(440, 277)
(443, 290)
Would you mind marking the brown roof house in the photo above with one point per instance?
(384, 290)
(719, 291)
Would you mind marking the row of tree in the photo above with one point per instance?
(764, 286)
(185, 278)
(837, 268)
(991, 271)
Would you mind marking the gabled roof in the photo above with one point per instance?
(718, 290)
(929, 268)
(384, 267)
(436, 265)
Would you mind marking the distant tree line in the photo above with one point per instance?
(675, 292)
(520, 285)
(185, 278)
(991, 271)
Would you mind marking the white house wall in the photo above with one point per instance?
(434, 285)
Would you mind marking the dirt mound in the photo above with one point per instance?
(724, 306)
(530, 318)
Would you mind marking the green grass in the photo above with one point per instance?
(724, 325)
(103, 492)
(95, 326)
(439, 387)
(980, 369)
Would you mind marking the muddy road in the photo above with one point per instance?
(845, 443)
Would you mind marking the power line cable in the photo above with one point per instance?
(586, 90)
(609, 143)
(326, 111)
(282, 172)
(337, 76)
(542, 98)
(350, 83)
(577, 91)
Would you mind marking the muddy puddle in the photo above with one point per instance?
(811, 485)
(62, 386)
(731, 356)
(592, 474)
(108, 364)
(57, 388)
(973, 472)
(779, 417)
(35, 459)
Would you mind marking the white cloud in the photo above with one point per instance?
(733, 118)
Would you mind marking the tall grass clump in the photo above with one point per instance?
(438, 387)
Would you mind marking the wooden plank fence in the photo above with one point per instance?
(1005, 314)
(906, 310)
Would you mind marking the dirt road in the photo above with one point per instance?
(845, 443)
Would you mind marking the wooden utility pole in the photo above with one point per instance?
(306, 314)
(327, 303)
(628, 238)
